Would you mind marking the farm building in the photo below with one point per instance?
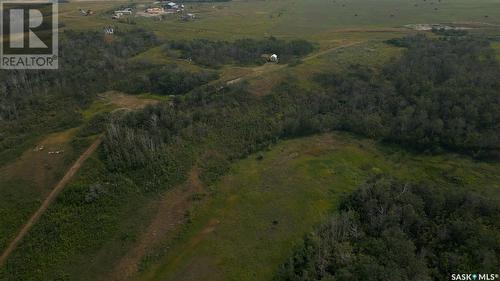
(126, 11)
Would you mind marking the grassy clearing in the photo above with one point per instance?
(154, 55)
(158, 56)
(124, 101)
(149, 96)
(369, 53)
(261, 211)
(374, 53)
(97, 107)
(113, 100)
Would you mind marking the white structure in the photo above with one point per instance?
(172, 5)
(273, 58)
(126, 11)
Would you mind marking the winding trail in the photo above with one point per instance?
(49, 199)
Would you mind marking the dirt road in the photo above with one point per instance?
(50, 198)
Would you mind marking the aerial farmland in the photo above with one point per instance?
(255, 140)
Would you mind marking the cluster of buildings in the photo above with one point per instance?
(160, 8)
(432, 26)
(157, 9)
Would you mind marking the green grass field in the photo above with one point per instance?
(262, 209)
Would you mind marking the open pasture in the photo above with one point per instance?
(318, 20)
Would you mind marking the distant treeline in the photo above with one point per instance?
(390, 230)
(241, 52)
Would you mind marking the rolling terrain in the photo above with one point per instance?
(216, 200)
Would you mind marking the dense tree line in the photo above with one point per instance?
(449, 32)
(240, 52)
(440, 93)
(229, 123)
(390, 230)
(164, 80)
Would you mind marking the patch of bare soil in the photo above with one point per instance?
(125, 101)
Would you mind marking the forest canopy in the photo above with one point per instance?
(164, 80)
(440, 93)
(391, 230)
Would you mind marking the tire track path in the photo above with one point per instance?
(49, 200)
